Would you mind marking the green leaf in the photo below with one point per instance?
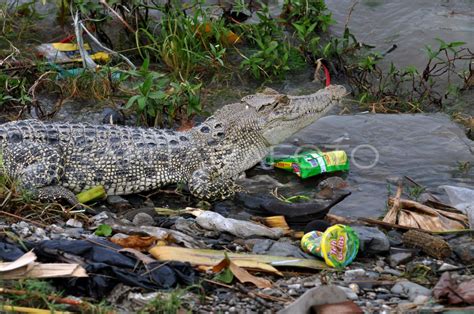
(141, 103)
(146, 86)
(411, 70)
(131, 101)
(454, 44)
(145, 65)
(300, 28)
(225, 276)
(158, 95)
(103, 230)
(326, 50)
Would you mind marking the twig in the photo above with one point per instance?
(260, 295)
(117, 15)
(351, 9)
(23, 219)
(98, 43)
(420, 186)
(87, 61)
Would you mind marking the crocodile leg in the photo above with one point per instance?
(37, 167)
(208, 184)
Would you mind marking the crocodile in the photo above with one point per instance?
(55, 160)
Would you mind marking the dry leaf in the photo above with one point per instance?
(244, 276)
(416, 215)
(22, 261)
(206, 257)
(241, 274)
(135, 242)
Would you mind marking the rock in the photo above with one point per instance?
(412, 290)
(355, 273)
(447, 266)
(465, 252)
(100, 217)
(355, 288)
(271, 247)
(118, 203)
(399, 258)
(349, 293)
(372, 240)
(391, 271)
(75, 233)
(404, 307)
(143, 219)
(112, 116)
(316, 296)
(395, 238)
(74, 223)
(421, 299)
(293, 292)
(371, 295)
(294, 286)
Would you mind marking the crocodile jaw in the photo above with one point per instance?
(288, 117)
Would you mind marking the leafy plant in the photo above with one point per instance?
(162, 100)
(13, 90)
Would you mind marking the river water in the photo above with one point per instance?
(409, 24)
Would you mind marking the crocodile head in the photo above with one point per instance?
(267, 117)
(281, 116)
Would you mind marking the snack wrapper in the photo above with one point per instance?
(312, 163)
(338, 245)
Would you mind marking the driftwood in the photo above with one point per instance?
(431, 245)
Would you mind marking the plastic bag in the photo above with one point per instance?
(462, 199)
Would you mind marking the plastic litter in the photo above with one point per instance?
(338, 245)
(242, 229)
(462, 199)
(107, 266)
(68, 52)
(311, 163)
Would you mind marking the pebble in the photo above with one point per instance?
(390, 271)
(372, 240)
(395, 238)
(399, 258)
(349, 293)
(293, 292)
(421, 299)
(447, 266)
(355, 287)
(100, 217)
(112, 116)
(354, 273)
(74, 223)
(371, 295)
(294, 286)
(465, 251)
(411, 289)
(309, 284)
(75, 233)
(143, 219)
(118, 203)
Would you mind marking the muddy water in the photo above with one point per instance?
(427, 148)
(409, 24)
